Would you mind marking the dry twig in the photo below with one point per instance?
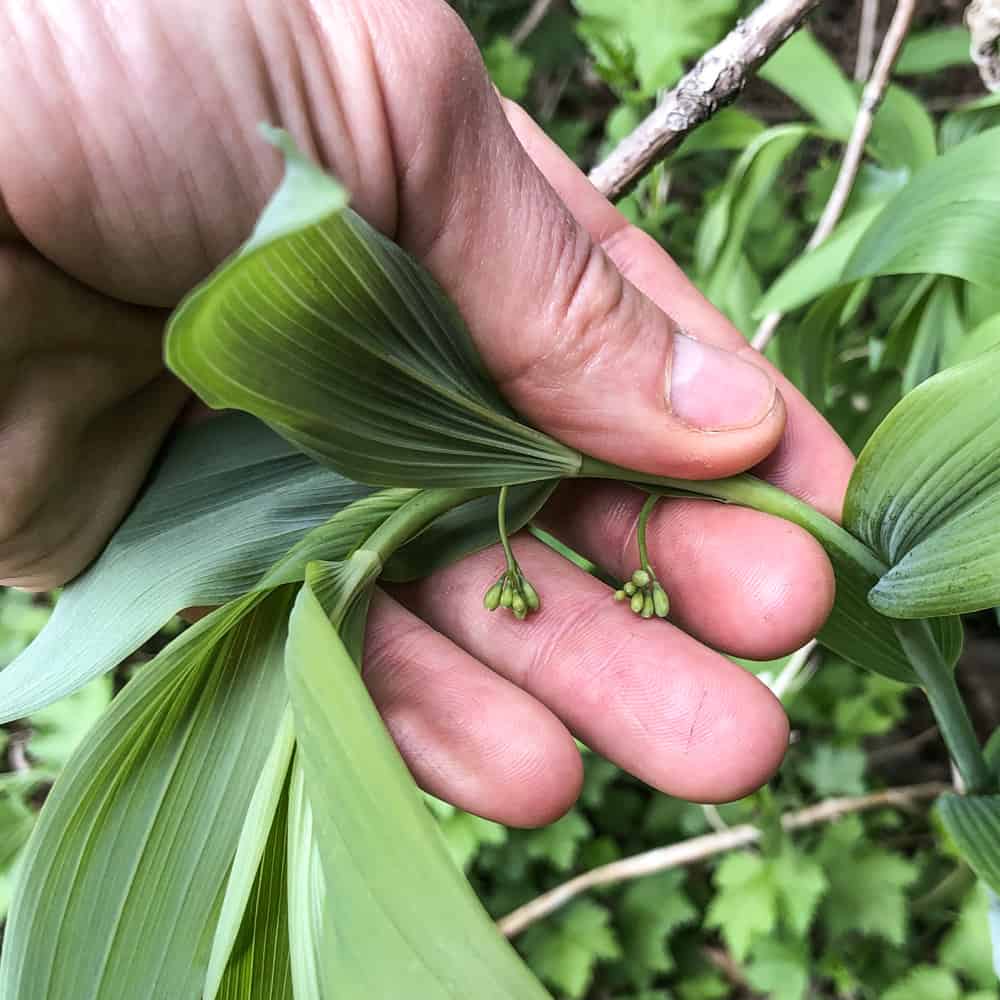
(700, 848)
(716, 79)
(866, 40)
(983, 19)
(871, 98)
(534, 17)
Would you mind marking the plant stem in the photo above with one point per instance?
(939, 684)
(502, 527)
(410, 519)
(640, 531)
(748, 491)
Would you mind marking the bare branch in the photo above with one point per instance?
(983, 19)
(871, 98)
(534, 17)
(695, 849)
(866, 40)
(716, 79)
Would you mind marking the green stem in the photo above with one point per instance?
(936, 677)
(640, 531)
(939, 684)
(502, 527)
(755, 493)
(410, 519)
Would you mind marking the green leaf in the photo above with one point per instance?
(835, 770)
(465, 833)
(933, 50)
(345, 345)
(985, 337)
(509, 68)
(903, 133)
(745, 906)
(779, 970)
(398, 917)
(559, 842)
(925, 982)
(245, 887)
(867, 885)
(259, 965)
(808, 74)
(966, 947)
(651, 909)
(926, 493)
(123, 879)
(974, 824)
(17, 820)
(565, 950)
(945, 221)
(56, 731)
(226, 501)
(728, 129)
(969, 120)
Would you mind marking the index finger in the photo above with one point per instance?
(810, 461)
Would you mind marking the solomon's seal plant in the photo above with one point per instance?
(240, 824)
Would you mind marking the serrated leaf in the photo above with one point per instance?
(345, 345)
(867, 885)
(227, 499)
(509, 68)
(565, 950)
(57, 729)
(465, 834)
(966, 947)
(779, 970)
(974, 823)
(135, 841)
(745, 906)
(926, 493)
(398, 917)
(651, 909)
(558, 842)
(835, 770)
(925, 982)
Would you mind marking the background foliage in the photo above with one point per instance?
(865, 907)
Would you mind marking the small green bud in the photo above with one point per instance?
(647, 606)
(620, 595)
(640, 578)
(520, 613)
(492, 599)
(518, 606)
(531, 597)
(629, 588)
(661, 603)
(507, 594)
(636, 603)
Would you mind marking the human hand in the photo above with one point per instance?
(132, 167)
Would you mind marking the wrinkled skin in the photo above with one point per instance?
(132, 167)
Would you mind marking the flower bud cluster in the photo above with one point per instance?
(512, 591)
(644, 595)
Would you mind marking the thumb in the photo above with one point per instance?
(574, 347)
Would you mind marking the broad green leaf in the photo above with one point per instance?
(245, 878)
(728, 129)
(227, 499)
(124, 876)
(780, 970)
(983, 338)
(259, 966)
(345, 345)
(969, 120)
(17, 820)
(903, 133)
(807, 353)
(925, 496)
(820, 269)
(925, 982)
(464, 530)
(398, 916)
(808, 74)
(974, 824)
(933, 50)
(945, 221)
(306, 894)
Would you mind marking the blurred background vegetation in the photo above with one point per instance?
(866, 907)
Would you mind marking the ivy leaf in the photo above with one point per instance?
(558, 842)
(651, 909)
(925, 982)
(565, 950)
(867, 884)
(779, 970)
(833, 770)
